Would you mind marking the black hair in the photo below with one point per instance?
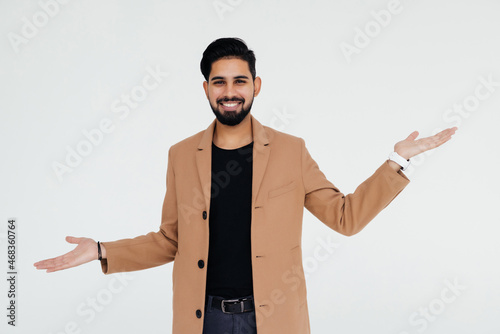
(226, 48)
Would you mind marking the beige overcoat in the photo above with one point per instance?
(285, 180)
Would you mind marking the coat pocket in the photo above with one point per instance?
(283, 189)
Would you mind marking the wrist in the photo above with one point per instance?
(403, 155)
(103, 251)
(394, 165)
(399, 160)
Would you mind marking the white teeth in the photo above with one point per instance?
(230, 104)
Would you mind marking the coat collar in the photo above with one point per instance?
(261, 150)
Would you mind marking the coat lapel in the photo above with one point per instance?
(261, 150)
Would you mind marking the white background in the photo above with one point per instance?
(350, 110)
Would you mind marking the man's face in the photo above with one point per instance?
(230, 90)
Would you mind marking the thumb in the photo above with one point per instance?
(73, 240)
(412, 135)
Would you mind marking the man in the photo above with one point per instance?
(243, 270)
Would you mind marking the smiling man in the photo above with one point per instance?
(233, 208)
(229, 92)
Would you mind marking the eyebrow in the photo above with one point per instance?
(237, 77)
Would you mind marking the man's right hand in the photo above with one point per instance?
(86, 251)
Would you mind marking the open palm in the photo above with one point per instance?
(410, 147)
(86, 251)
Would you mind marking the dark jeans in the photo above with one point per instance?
(218, 322)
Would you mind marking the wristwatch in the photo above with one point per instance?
(404, 163)
(99, 255)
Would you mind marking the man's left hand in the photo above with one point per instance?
(410, 147)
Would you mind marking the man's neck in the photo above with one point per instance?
(232, 137)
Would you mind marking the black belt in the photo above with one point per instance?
(230, 306)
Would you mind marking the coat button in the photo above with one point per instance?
(198, 313)
(204, 215)
(201, 264)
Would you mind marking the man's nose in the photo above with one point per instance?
(229, 92)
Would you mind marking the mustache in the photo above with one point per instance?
(234, 99)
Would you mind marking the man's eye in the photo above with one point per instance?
(218, 82)
(240, 81)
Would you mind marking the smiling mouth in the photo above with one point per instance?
(230, 106)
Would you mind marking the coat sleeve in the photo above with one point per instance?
(349, 214)
(152, 249)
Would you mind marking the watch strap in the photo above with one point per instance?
(404, 163)
(99, 255)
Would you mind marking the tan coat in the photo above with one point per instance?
(285, 180)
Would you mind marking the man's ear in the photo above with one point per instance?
(205, 87)
(256, 83)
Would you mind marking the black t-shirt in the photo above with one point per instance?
(229, 268)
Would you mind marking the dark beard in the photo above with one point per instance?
(232, 117)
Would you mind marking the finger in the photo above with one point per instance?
(64, 263)
(447, 132)
(59, 267)
(440, 141)
(429, 143)
(436, 141)
(73, 240)
(412, 136)
(446, 135)
(44, 263)
(53, 266)
(441, 134)
(52, 262)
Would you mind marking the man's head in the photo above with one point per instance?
(231, 82)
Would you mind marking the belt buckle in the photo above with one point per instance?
(230, 301)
